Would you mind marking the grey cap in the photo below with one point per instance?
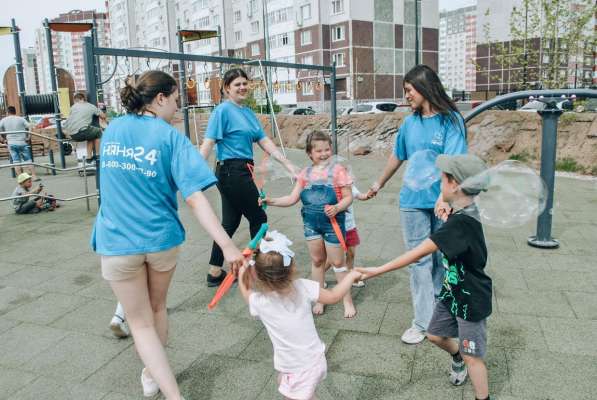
(463, 167)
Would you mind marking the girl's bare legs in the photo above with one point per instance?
(318, 259)
(144, 301)
(336, 258)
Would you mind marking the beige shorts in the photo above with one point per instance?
(119, 268)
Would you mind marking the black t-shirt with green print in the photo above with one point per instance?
(466, 289)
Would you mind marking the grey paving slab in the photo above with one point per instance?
(512, 331)
(583, 304)
(12, 297)
(92, 318)
(570, 336)
(23, 342)
(368, 319)
(29, 277)
(47, 308)
(218, 377)
(9, 268)
(526, 302)
(68, 282)
(6, 324)
(533, 375)
(12, 380)
(122, 373)
(371, 355)
(46, 388)
(75, 357)
(559, 280)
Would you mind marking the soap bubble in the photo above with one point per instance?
(510, 195)
(421, 172)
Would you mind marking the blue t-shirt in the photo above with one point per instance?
(144, 162)
(234, 128)
(438, 133)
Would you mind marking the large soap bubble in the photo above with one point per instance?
(510, 194)
(421, 172)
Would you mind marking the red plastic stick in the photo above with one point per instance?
(338, 232)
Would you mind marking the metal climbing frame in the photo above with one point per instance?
(91, 52)
(549, 115)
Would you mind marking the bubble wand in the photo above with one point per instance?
(229, 279)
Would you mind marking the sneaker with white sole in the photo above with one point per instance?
(413, 336)
(118, 327)
(150, 387)
(458, 373)
(359, 284)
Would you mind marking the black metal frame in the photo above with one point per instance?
(549, 133)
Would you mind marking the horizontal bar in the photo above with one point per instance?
(46, 166)
(35, 134)
(43, 196)
(525, 94)
(107, 51)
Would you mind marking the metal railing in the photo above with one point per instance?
(549, 116)
(52, 166)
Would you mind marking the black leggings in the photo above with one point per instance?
(239, 198)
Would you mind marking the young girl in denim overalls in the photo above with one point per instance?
(325, 191)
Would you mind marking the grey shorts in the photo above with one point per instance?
(472, 335)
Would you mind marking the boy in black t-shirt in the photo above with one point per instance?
(465, 299)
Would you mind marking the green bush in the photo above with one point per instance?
(522, 157)
(567, 165)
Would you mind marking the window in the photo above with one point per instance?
(238, 53)
(308, 60)
(307, 88)
(251, 7)
(285, 40)
(337, 6)
(306, 12)
(203, 22)
(337, 33)
(238, 36)
(305, 38)
(255, 27)
(339, 59)
(279, 16)
(255, 49)
(237, 16)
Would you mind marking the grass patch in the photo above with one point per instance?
(594, 171)
(522, 157)
(567, 118)
(567, 165)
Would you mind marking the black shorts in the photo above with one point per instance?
(472, 335)
(88, 133)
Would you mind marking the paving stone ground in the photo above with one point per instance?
(55, 308)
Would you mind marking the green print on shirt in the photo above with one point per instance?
(454, 275)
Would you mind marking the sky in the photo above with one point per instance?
(29, 15)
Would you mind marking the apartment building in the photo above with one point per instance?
(458, 48)
(30, 71)
(67, 47)
(493, 33)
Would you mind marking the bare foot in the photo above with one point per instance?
(318, 309)
(349, 310)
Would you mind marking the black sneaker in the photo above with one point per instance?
(214, 281)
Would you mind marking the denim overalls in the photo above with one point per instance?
(315, 195)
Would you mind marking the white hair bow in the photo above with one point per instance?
(278, 242)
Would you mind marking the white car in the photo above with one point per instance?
(536, 105)
(374, 107)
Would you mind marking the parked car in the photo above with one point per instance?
(300, 111)
(464, 106)
(375, 107)
(536, 105)
(405, 108)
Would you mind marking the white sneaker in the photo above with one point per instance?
(359, 284)
(118, 327)
(413, 336)
(458, 373)
(150, 387)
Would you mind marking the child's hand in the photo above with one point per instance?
(263, 200)
(331, 210)
(355, 275)
(362, 196)
(367, 273)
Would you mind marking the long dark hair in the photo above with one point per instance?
(427, 83)
(136, 97)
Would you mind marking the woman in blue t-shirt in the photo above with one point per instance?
(436, 125)
(145, 161)
(233, 128)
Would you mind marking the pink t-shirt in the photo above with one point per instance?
(340, 177)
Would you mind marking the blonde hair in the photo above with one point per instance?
(271, 274)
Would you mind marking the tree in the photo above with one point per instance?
(251, 102)
(545, 37)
